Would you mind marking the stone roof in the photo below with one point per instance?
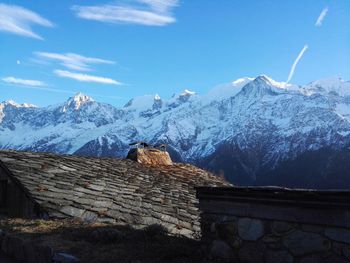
(110, 189)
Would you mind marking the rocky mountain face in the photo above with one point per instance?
(252, 131)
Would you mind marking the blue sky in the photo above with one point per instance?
(127, 48)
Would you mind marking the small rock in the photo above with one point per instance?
(278, 256)
(250, 229)
(72, 211)
(64, 258)
(235, 242)
(89, 216)
(273, 241)
(280, 227)
(221, 249)
(185, 232)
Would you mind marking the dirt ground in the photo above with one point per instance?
(104, 243)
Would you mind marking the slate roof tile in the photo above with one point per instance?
(111, 189)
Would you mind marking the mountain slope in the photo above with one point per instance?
(248, 129)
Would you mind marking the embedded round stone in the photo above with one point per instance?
(338, 234)
(221, 249)
(226, 230)
(252, 252)
(278, 256)
(65, 258)
(250, 229)
(346, 252)
(323, 258)
(280, 227)
(300, 243)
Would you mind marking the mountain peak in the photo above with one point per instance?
(143, 103)
(77, 100)
(241, 81)
(12, 103)
(263, 77)
(80, 97)
(187, 92)
(331, 84)
(261, 81)
(17, 105)
(330, 81)
(270, 81)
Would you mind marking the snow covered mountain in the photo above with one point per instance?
(254, 130)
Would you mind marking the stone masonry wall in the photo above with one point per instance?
(254, 240)
(275, 225)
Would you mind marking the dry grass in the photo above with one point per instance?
(103, 243)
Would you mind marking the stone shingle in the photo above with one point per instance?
(110, 189)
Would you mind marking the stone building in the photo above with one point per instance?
(44, 185)
(276, 225)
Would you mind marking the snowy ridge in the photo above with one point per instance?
(330, 85)
(264, 120)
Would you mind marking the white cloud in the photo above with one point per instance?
(59, 91)
(291, 73)
(18, 20)
(42, 88)
(25, 82)
(143, 12)
(85, 77)
(73, 61)
(321, 17)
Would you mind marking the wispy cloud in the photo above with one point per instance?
(18, 20)
(291, 73)
(59, 90)
(85, 77)
(142, 12)
(321, 17)
(25, 82)
(73, 61)
(40, 88)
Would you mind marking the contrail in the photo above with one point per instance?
(291, 73)
(321, 17)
